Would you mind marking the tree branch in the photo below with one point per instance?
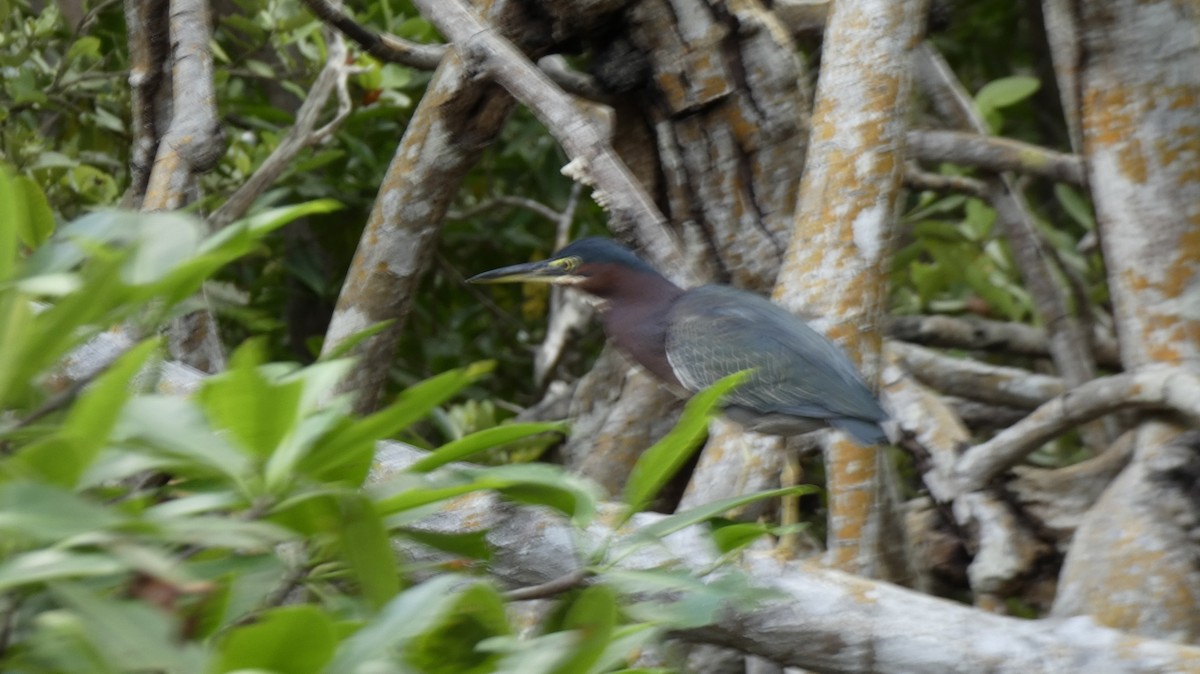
(815, 618)
(841, 244)
(994, 154)
(302, 134)
(593, 161)
(1068, 342)
(917, 179)
(1176, 389)
(392, 49)
(387, 48)
(980, 334)
(972, 379)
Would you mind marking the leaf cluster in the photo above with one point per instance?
(246, 527)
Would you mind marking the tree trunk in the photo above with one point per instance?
(1140, 102)
(839, 256)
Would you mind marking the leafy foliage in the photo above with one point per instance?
(235, 529)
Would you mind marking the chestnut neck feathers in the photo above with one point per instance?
(635, 310)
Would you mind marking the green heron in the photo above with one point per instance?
(689, 339)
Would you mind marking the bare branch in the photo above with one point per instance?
(593, 161)
(192, 143)
(1175, 389)
(549, 588)
(815, 618)
(994, 154)
(507, 200)
(387, 48)
(393, 49)
(148, 47)
(917, 179)
(840, 244)
(333, 75)
(972, 379)
(984, 335)
(1068, 342)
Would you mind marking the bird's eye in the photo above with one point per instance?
(569, 263)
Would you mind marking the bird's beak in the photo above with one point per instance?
(543, 271)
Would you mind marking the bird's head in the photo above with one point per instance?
(595, 265)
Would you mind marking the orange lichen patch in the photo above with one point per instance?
(1181, 98)
(1164, 353)
(1109, 120)
(1132, 161)
(745, 131)
(1136, 587)
(1134, 280)
(672, 86)
(1181, 273)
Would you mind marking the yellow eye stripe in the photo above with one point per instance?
(567, 263)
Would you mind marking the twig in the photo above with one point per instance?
(482, 298)
(384, 47)
(550, 588)
(507, 200)
(392, 49)
(65, 397)
(915, 178)
(1174, 389)
(994, 154)
(1067, 337)
(333, 76)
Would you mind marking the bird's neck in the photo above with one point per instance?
(635, 318)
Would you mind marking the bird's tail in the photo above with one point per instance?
(864, 432)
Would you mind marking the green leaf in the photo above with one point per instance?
(133, 636)
(448, 647)
(409, 614)
(471, 544)
(258, 413)
(415, 402)
(1075, 205)
(483, 440)
(16, 332)
(593, 616)
(63, 458)
(289, 640)
(1005, 91)
(537, 483)
(34, 512)
(677, 599)
(671, 524)
(736, 535)
(38, 224)
(367, 549)
(626, 643)
(659, 463)
(42, 566)
(409, 499)
(173, 428)
(238, 237)
(13, 220)
(544, 484)
(87, 46)
(221, 532)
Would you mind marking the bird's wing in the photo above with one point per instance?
(715, 331)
